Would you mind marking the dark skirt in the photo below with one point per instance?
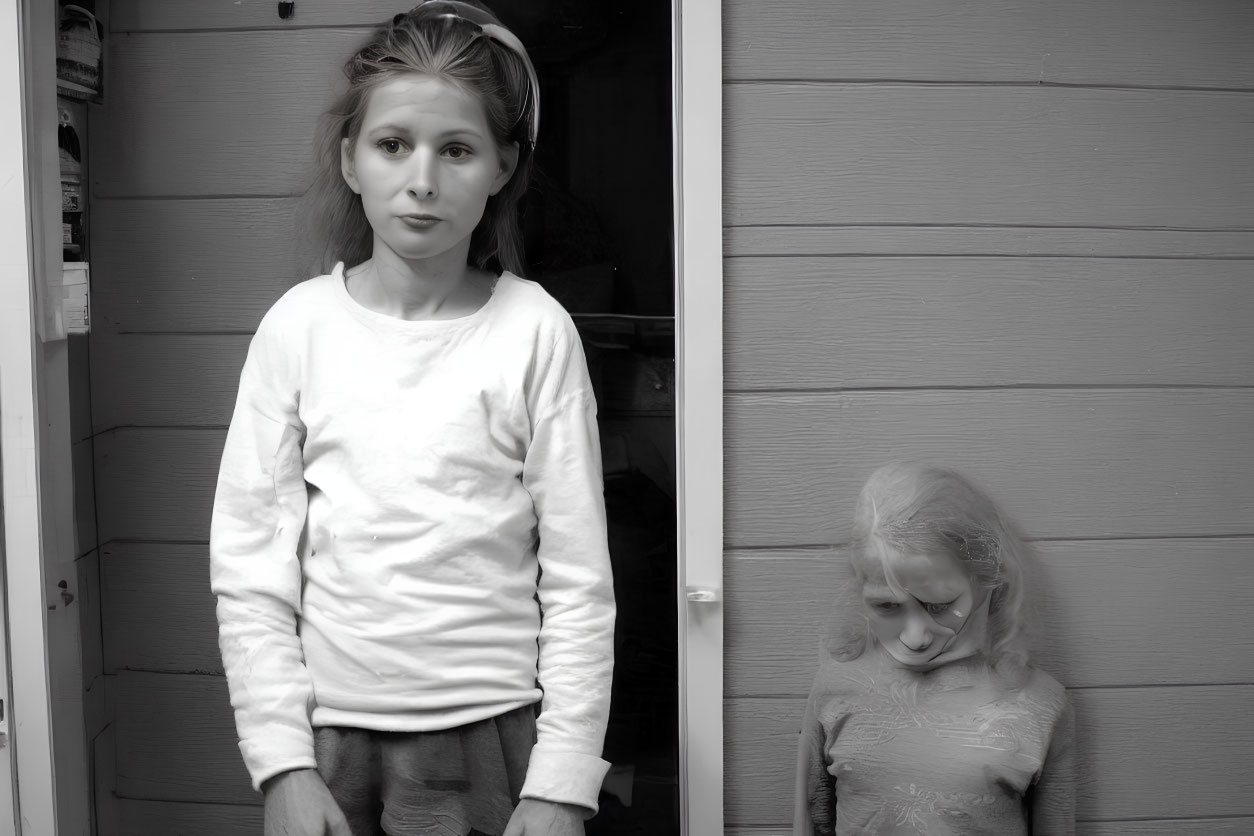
(454, 782)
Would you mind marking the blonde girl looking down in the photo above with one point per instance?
(928, 717)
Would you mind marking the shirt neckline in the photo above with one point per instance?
(410, 326)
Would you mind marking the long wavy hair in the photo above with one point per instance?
(432, 40)
(916, 508)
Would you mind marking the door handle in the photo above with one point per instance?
(702, 594)
(67, 597)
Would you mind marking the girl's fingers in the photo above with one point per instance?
(515, 826)
(339, 827)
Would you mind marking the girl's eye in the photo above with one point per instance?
(937, 609)
(457, 152)
(886, 606)
(391, 146)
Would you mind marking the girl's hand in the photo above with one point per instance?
(298, 803)
(544, 818)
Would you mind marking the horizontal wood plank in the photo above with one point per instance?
(1126, 737)
(176, 740)
(192, 265)
(167, 380)
(1072, 463)
(952, 154)
(1097, 602)
(937, 240)
(881, 322)
(158, 818)
(157, 484)
(1121, 42)
(158, 610)
(200, 115)
(1241, 826)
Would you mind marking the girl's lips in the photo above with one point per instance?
(420, 221)
(927, 654)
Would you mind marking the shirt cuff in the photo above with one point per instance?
(277, 756)
(565, 778)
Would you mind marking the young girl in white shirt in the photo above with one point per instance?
(409, 543)
(928, 717)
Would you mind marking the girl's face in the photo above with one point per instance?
(425, 163)
(925, 612)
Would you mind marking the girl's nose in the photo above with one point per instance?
(422, 177)
(916, 635)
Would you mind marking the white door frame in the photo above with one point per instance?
(698, 114)
(28, 712)
(43, 697)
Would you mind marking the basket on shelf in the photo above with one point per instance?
(79, 52)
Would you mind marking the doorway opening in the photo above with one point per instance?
(179, 278)
(598, 224)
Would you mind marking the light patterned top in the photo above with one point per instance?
(959, 751)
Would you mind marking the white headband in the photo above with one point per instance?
(479, 18)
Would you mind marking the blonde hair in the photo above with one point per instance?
(916, 508)
(432, 39)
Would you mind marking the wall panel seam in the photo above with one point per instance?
(911, 82)
(920, 254)
(992, 387)
(1145, 686)
(1059, 227)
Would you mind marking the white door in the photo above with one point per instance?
(43, 787)
(697, 94)
(28, 747)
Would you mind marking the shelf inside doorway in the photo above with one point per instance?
(653, 335)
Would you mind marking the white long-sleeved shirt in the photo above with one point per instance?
(409, 531)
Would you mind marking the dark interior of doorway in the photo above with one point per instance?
(598, 228)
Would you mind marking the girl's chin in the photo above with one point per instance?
(921, 662)
(921, 666)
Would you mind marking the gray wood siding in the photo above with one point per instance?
(841, 153)
(1118, 43)
(1016, 238)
